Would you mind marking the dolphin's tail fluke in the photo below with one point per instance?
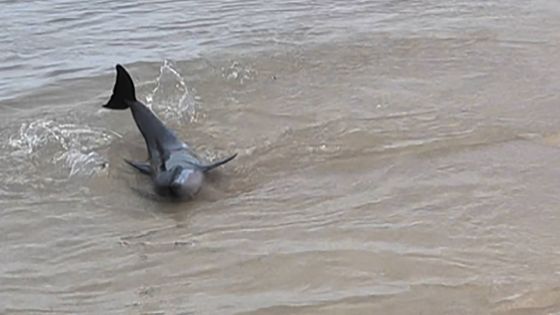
(206, 168)
(123, 92)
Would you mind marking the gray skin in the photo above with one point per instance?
(175, 170)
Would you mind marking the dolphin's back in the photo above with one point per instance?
(152, 128)
(161, 142)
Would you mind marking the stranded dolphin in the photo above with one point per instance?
(175, 170)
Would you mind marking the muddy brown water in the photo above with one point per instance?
(395, 157)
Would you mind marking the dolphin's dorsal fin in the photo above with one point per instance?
(163, 156)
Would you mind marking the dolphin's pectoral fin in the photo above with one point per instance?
(209, 167)
(142, 167)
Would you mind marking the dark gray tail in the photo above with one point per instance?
(123, 92)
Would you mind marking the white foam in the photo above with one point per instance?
(45, 141)
(171, 94)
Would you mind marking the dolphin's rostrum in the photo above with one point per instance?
(174, 168)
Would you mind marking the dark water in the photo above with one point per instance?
(395, 157)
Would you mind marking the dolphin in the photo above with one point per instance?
(175, 170)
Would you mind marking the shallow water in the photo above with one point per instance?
(395, 157)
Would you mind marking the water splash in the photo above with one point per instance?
(238, 73)
(82, 163)
(171, 95)
(45, 142)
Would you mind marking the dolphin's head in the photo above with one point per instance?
(179, 182)
(186, 182)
